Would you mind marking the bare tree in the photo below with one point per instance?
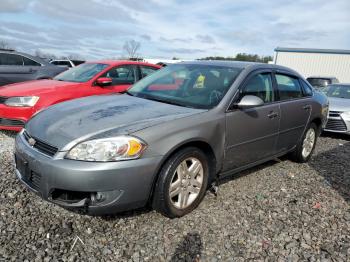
(42, 54)
(5, 45)
(131, 47)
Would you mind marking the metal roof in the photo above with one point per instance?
(312, 50)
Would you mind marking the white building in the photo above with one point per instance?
(316, 62)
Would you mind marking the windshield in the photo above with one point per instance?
(81, 73)
(197, 86)
(339, 91)
(319, 82)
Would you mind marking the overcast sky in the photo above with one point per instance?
(168, 28)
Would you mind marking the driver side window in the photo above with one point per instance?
(121, 75)
(260, 85)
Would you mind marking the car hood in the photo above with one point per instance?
(35, 87)
(339, 104)
(100, 116)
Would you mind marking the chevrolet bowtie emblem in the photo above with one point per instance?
(31, 141)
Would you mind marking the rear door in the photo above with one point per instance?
(146, 71)
(12, 69)
(251, 134)
(122, 76)
(295, 110)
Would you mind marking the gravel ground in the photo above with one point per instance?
(279, 211)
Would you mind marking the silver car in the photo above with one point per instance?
(339, 108)
(167, 139)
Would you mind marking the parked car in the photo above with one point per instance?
(19, 102)
(67, 62)
(320, 82)
(339, 108)
(164, 143)
(18, 67)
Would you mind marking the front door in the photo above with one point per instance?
(251, 134)
(122, 78)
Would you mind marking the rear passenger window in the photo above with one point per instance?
(260, 85)
(146, 70)
(288, 87)
(11, 59)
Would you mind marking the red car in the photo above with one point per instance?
(18, 102)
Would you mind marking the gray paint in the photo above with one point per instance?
(238, 137)
(18, 73)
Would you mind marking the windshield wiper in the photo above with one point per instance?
(126, 92)
(162, 100)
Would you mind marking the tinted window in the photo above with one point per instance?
(121, 75)
(307, 88)
(11, 59)
(77, 62)
(319, 82)
(189, 85)
(288, 87)
(260, 85)
(82, 73)
(30, 62)
(339, 91)
(146, 70)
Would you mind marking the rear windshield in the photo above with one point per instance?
(320, 82)
(339, 91)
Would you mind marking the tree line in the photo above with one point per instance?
(241, 57)
(132, 47)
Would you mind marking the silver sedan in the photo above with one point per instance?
(339, 108)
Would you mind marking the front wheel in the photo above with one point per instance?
(182, 183)
(306, 146)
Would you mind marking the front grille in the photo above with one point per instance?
(334, 113)
(41, 146)
(2, 99)
(11, 122)
(336, 125)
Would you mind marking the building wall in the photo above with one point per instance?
(316, 64)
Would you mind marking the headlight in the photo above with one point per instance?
(22, 101)
(108, 149)
(346, 116)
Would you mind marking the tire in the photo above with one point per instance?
(171, 191)
(304, 149)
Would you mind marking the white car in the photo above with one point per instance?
(339, 108)
(67, 62)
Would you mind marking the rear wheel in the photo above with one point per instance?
(306, 146)
(182, 183)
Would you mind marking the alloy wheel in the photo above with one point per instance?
(186, 183)
(308, 143)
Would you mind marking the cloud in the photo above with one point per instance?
(13, 6)
(166, 28)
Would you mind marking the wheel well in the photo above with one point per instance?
(207, 150)
(318, 123)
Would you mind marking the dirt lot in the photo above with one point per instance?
(279, 211)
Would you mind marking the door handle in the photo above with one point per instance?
(272, 115)
(307, 107)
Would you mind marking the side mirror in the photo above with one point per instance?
(104, 81)
(249, 101)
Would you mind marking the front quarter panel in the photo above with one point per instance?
(166, 138)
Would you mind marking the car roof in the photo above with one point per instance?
(322, 77)
(35, 58)
(122, 62)
(240, 64)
